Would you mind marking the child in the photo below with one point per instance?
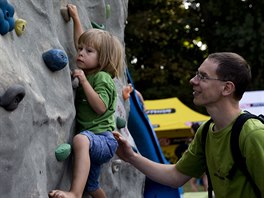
(99, 60)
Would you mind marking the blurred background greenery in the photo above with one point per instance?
(167, 40)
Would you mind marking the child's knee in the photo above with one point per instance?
(80, 140)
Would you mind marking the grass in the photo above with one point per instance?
(187, 188)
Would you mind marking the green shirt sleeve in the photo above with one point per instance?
(192, 163)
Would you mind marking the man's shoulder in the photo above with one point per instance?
(253, 128)
(254, 124)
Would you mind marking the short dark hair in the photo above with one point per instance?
(232, 67)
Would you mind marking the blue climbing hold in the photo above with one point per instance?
(55, 59)
(7, 22)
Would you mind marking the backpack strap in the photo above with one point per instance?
(204, 135)
(239, 160)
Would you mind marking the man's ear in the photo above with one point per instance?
(229, 88)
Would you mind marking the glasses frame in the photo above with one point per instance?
(201, 77)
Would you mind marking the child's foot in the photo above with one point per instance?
(61, 194)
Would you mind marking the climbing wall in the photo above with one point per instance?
(37, 114)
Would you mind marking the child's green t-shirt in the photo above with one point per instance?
(86, 117)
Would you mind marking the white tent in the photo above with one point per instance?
(253, 101)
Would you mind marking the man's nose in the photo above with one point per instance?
(193, 80)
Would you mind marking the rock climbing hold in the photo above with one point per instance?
(75, 82)
(120, 123)
(116, 165)
(65, 14)
(20, 26)
(12, 97)
(55, 59)
(107, 10)
(63, 151)
(97, 26)
(126, 91)
(7, 21)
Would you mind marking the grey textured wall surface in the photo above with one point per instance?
(45, 117)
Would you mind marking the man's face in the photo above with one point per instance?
(207, 87)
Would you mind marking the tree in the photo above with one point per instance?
(164, 41)
(236, 26)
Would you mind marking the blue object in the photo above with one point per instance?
(147, 143)
(7, 22)
(55, 59)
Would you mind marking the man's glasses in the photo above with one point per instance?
(201, 76)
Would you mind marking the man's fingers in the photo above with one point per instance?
(117, 135)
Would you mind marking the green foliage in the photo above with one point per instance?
(163, 36)
(236, 26)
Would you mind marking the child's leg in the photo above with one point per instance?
(99, 193)
(81, 168)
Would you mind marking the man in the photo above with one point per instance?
(218, 85)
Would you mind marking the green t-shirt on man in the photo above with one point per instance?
(219, 159)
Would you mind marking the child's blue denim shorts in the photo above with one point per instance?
(102, 148)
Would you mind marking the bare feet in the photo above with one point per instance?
(61, 194)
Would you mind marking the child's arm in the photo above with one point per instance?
(92, 97)
(77, 26)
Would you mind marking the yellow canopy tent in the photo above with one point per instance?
(171, 118)
(172, 121)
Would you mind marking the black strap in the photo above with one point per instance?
(204, 135)
(239, 160)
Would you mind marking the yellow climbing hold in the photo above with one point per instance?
(20, 26)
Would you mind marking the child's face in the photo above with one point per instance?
(87, 57)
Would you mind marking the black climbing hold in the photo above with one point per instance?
(12, 97)
(65, 14)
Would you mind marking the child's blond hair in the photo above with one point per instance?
(109, 48)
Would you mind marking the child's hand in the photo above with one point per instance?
(80, 75)
(73, 12)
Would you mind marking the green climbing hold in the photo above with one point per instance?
(120, 123)
(107, 10)
(97, 26)
(62, 152)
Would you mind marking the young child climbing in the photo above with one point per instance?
(100, 58)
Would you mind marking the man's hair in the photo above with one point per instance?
(109, 48)
(232, 67)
